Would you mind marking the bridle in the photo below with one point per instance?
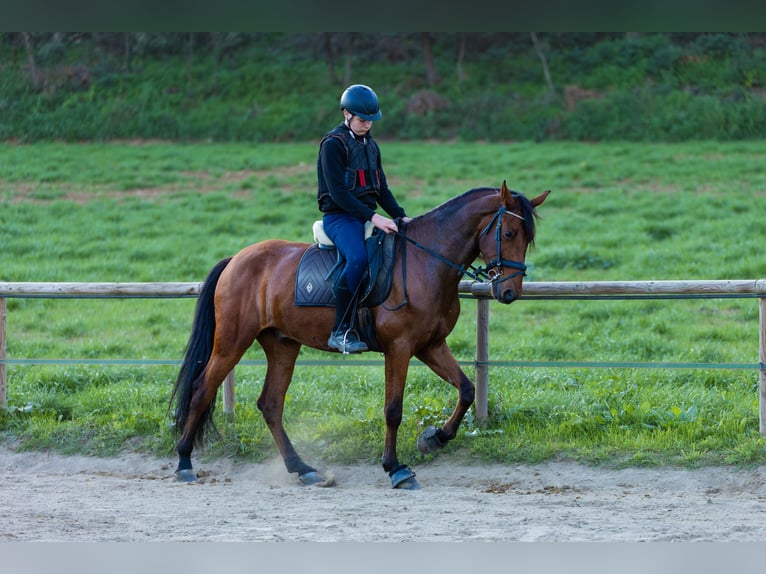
(491, 272)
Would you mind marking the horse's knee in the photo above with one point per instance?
(268, 410)
(467, 392)
(393, 412)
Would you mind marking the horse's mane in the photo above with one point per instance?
(529, 213)
(452, 208)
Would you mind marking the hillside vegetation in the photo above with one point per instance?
(277, 87)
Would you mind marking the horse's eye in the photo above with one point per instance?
(508, 234)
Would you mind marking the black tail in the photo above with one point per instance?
(197, 354)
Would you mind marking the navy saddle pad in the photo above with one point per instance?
(319, 266)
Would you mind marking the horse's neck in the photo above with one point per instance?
(455, 241)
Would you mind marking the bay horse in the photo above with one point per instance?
(249, 297)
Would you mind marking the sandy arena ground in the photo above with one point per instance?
(48, 497)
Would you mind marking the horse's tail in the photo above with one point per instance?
(197, 354)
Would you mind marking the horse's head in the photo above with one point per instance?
(504, 240)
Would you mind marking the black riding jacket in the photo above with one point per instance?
(350, 176)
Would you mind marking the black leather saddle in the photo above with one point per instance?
(320, 265)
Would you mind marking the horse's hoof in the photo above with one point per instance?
(313, 478)
(186, 475)
(408, 484)
(429, 442)
(404, 479)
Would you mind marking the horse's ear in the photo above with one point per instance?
(505, 194)
(540, 198)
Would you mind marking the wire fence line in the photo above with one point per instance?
(481, 291)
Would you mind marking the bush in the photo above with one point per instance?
(276, 87)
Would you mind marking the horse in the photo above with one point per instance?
(249, 297)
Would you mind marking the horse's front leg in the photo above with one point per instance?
(442, 362)
(396, 377)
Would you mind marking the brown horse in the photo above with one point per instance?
(249, 297)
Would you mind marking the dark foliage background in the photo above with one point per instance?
(272, 87)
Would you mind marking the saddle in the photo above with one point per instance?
(321, 263)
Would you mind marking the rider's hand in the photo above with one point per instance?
(384, 223)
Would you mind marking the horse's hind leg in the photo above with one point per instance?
(442, 362)
(281, 355)
(205, 387)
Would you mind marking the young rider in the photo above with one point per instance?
(351, 185)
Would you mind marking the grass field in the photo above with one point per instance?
(156, 211)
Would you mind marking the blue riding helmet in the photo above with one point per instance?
(361, 101)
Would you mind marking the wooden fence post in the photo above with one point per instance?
(3, 387)
(481, 373)
(228, 393)
(762, 361)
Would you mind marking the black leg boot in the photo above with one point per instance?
(343, 337)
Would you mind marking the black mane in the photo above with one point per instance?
(529, 214)
(452, 207)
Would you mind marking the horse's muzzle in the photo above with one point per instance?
(507, 296)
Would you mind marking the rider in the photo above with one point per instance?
(351, 186)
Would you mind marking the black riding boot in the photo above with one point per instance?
(343, 337)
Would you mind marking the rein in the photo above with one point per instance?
(489, 272)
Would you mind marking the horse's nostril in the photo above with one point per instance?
(509, 296)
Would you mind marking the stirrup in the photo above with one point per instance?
(340, 341)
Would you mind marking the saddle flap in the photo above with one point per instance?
(319, 265)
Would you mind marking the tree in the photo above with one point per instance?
(329, 54)
(460, 56)
(350, 43)
(543, 59)
(432, 76)
(33, 70)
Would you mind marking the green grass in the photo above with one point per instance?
(167, 212)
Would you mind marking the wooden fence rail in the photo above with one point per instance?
(481, 291)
